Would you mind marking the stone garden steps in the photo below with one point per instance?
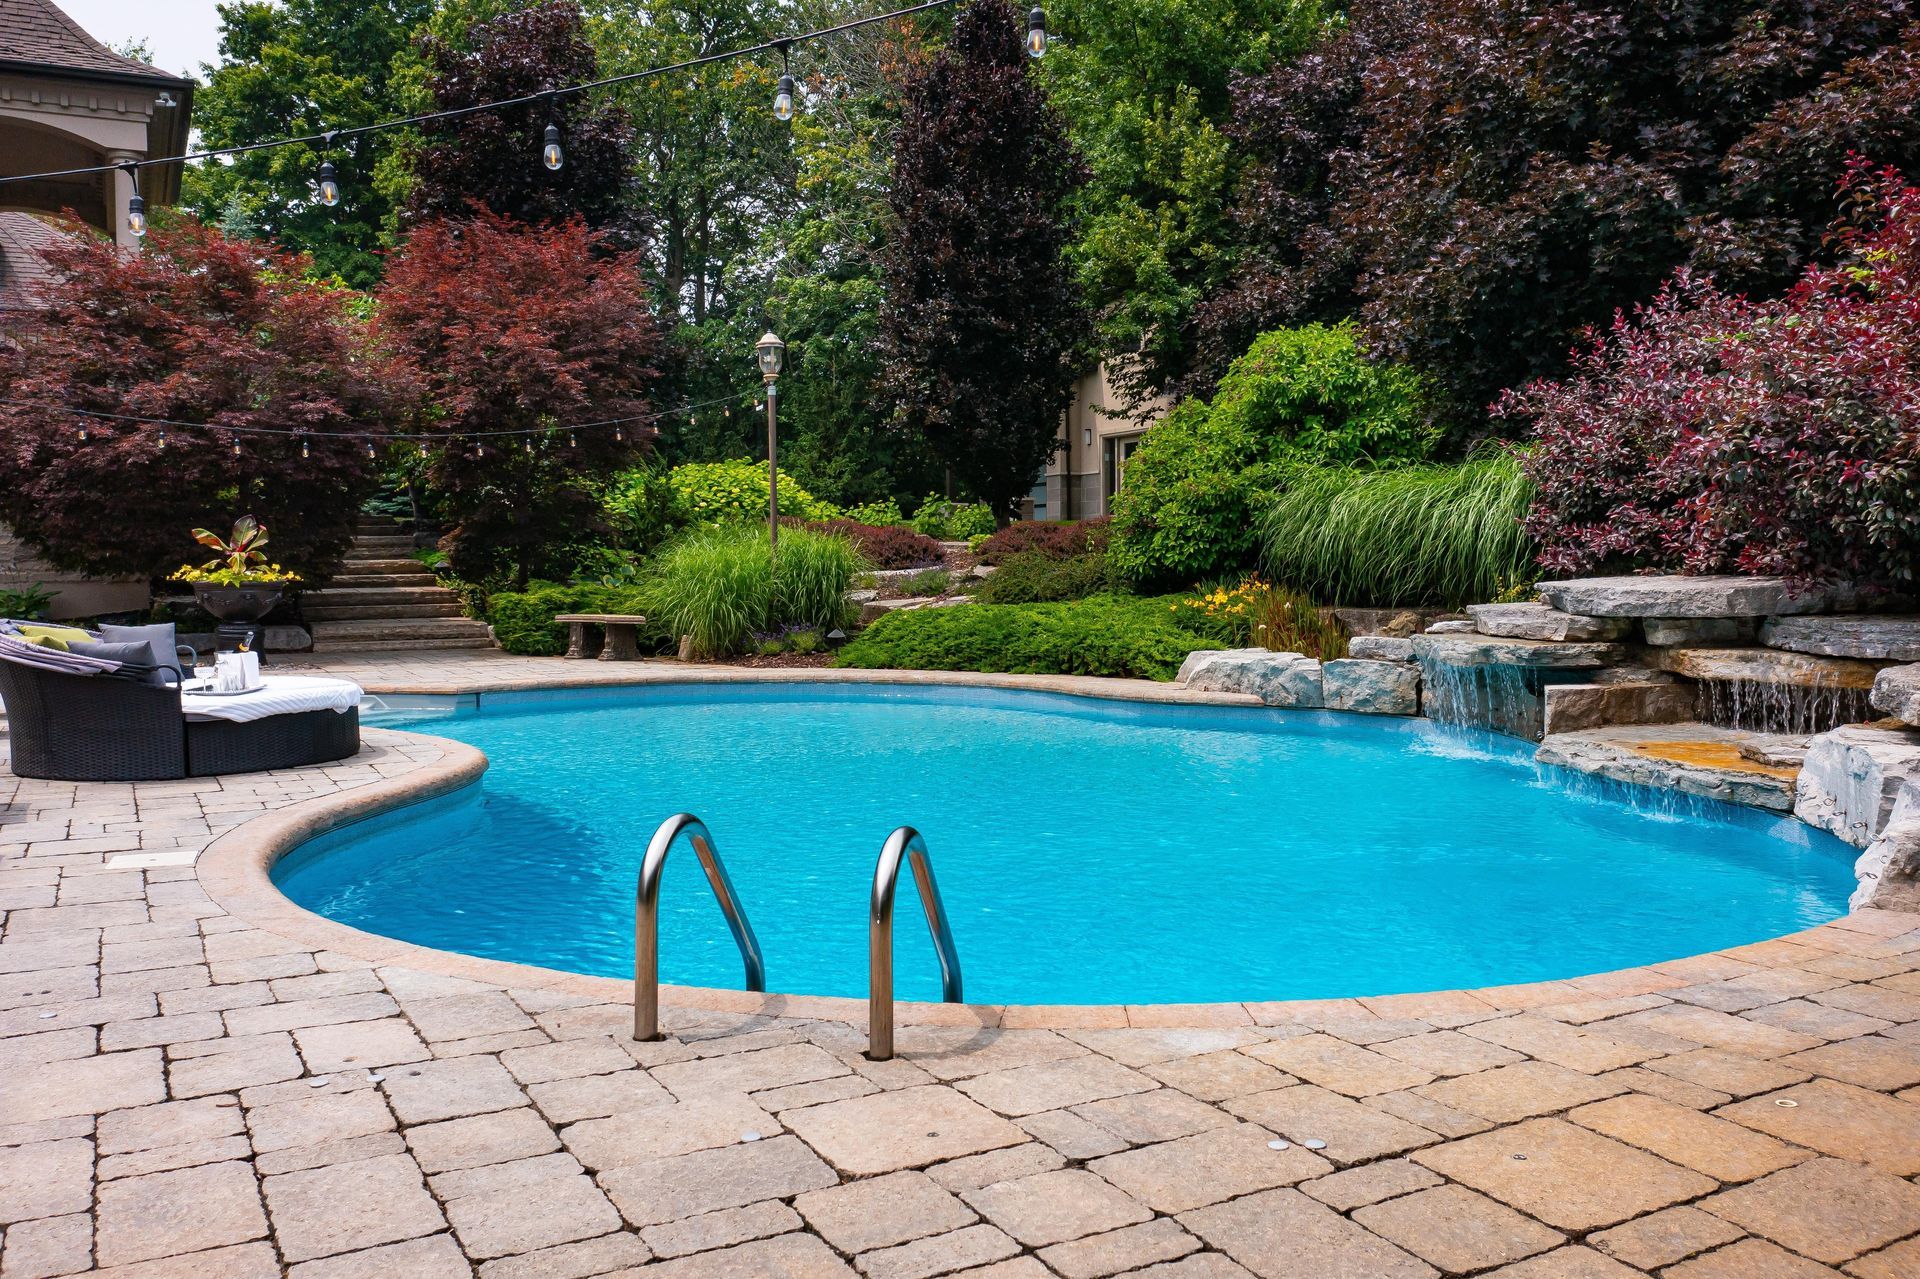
(383, 599)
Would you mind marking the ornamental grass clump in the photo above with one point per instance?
(1409, 535)
(718, 588)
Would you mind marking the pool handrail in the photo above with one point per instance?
(904, 844)
(646, 919)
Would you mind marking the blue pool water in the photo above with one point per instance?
(1088, 851)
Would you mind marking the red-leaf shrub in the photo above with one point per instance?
(1059, 540)
(195, 328)
(886, 546)
(502, 326)
(1710, 433)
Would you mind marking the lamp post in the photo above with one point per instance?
(772, 351)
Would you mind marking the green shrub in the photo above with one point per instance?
(1035, 576)
(952, 521)
(25, 604)
(640, 509)
(881, 514)
(716, 586)
(523, 620)
(1202, 476)
(933, 581)
(713, 493)
(1103, 635)
(1448, 535)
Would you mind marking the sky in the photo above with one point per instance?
(182, 33)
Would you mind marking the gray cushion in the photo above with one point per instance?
(159, 637)
(133, 658)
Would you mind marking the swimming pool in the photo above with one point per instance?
(1088, 851)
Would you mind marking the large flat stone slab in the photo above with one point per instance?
(1542, 622)
(1487, 650)
(1676, 595)
(1699, 632)
(1697, 759)
(1853, 776)
(1858, 635)
(1764, 666)
(1896, 691)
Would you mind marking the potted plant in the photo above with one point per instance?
(240, 585)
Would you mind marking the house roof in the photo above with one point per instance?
(37, 35)
(24, 240)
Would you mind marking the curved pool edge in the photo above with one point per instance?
(236, 871)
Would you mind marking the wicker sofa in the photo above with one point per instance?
(91, 728)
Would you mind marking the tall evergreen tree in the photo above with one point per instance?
(983, 330)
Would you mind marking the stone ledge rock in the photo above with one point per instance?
(1896, 691)
(1618, 754)
(1855, 635)
(1370, 687)
(1539, 622)
(1486, 650)
(1277, 679)
(1852, 777)
(1681, 632)
(1380, 648)
(1764, 666)
(1675, 595)
(1572, 707)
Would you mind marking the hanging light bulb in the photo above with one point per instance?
(163, 439)
(529, 446)
(1037, 33)
(783, 98)
(619, 435)
(329, 186)
(551, 155)
(305, 452)
(369, 450)
(83, 435)
(479, 449)
(573, 441)
(136, 214)
(236, 446)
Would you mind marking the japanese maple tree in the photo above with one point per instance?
(503, 326)
(224, 335)
(982, 330)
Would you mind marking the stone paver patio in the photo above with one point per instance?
(197, 1080)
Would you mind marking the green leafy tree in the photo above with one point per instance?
(1145, 86)
(983, 330)
(298, 68)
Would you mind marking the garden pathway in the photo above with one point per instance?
(192, 1088)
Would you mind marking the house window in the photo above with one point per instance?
(1120, 451)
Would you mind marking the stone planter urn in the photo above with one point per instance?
(239, 604)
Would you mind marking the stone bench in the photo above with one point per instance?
(622, 635)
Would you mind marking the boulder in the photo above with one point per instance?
(1454, 626)
(1277, 679)
(1537, 621)
(1396, 622)
(1889, 870)
(1852, 777)
(1855, 635)
(1370, 687)
(1486, 650)
(1677, 632)
(1896, 691)
(1380, 648)
(1674, 595)
(1764, 666)
(1571, 707)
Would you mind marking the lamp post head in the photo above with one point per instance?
(772, 352)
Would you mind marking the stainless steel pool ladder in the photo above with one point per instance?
(904, 843)
(646, 919)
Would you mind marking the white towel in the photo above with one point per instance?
(278, 695)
